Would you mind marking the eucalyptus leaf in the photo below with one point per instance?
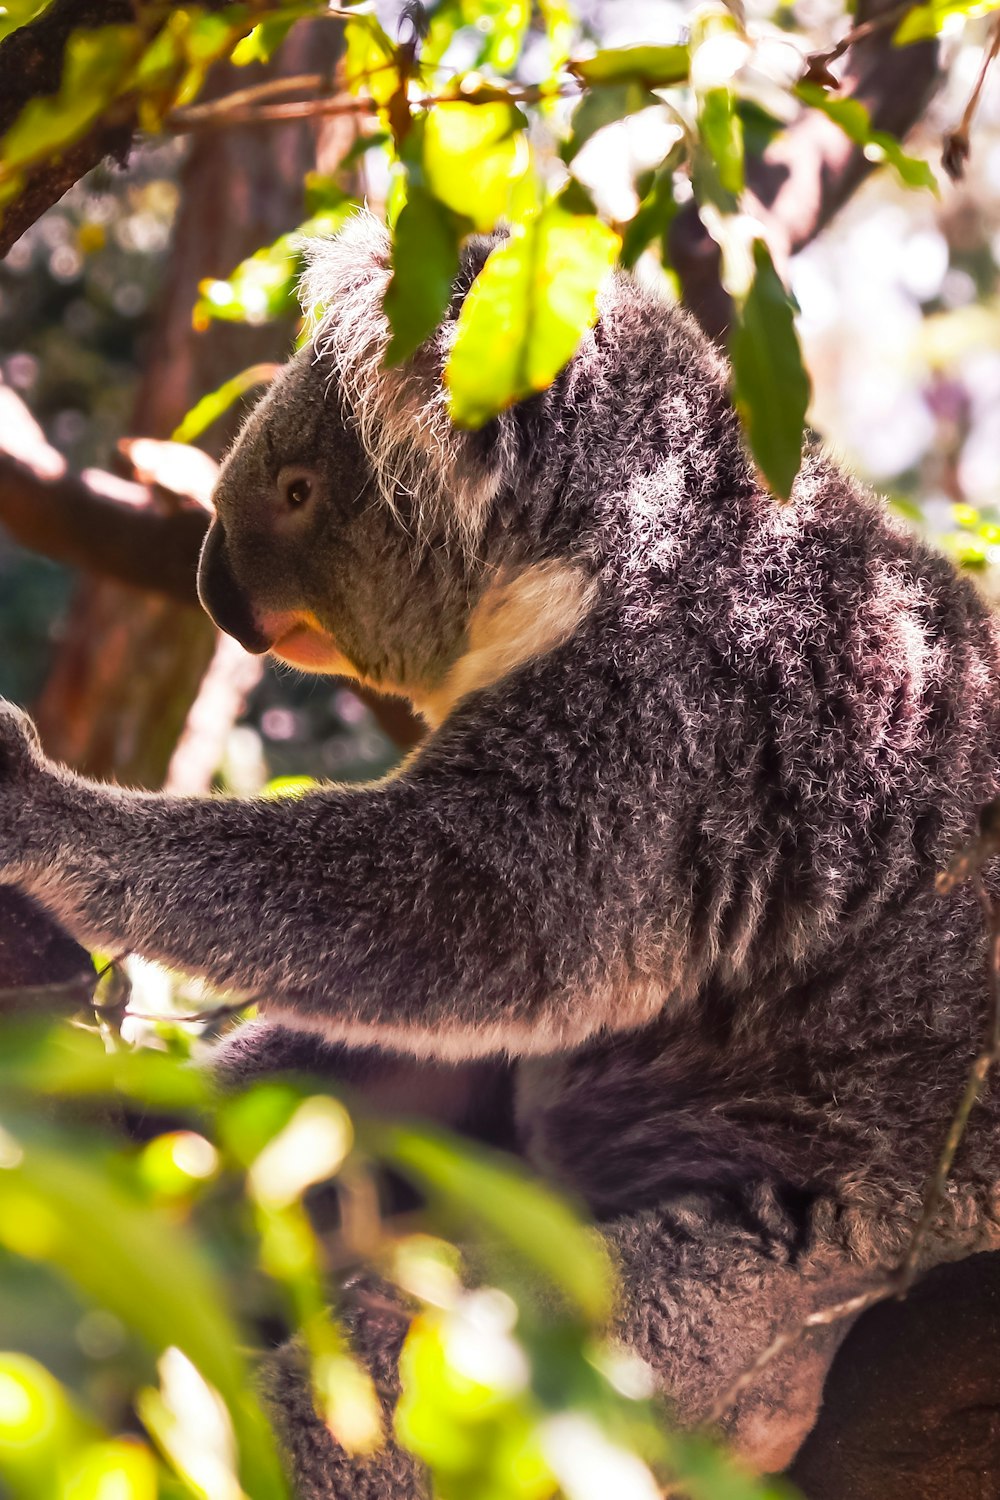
(514, 1210)
(527, 311)
(425, 263)
(656, 67)
(770, 383)
(60, 1207)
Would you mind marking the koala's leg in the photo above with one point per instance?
(704, 1290)
(377, 1323)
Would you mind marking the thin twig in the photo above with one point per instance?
(956, 148)
(899, 1280)
(219, 115)
(818, 63)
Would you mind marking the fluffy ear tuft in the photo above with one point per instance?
(351, 264)
(400, 414)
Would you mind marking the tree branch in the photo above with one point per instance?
(810, 170)
(31, 67)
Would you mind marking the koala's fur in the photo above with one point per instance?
(696, 757)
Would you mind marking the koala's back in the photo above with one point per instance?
(743, 773)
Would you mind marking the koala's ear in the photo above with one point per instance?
(400, 413)
(346, 270)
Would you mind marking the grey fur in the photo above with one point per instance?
(680, 866)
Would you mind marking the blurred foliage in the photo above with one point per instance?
(173, 1222)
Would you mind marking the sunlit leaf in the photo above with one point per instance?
(41, 1429)
(475, 1427)
(878, 145)
(119, 1469)
(770, 383)
(655, 67)
(654, 217)
(263, 287)
(62, 1209)
(718, 173)
(511, 1207)
(425, 262)
(924, 21)
(60, 1061)
(16, 13)
(527, 311)
(211, 407)
(499, 24)
(561, 28)
(473, 156)
(96, 64)
(263, 41)
(370, 61)
(604, 106)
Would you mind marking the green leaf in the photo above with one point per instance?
(211, 407)
(62, 1208)
(654, 215)
(770, 383)
(474, 156)
(878, 145)
(527, 311)
(41, 1430)
(60, 1061)
(17, 13)
(425, 263)
(370, 59)
(515, 1210)
(655, 67)
(719, 170)
(604, 106)
(262, 288)
(260, 44)
(97, 64)
(500, 25)
(925, 21)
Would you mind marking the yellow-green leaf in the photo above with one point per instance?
(514, 1210)
(656, 67)
(67, 1212)
(527, 311)
(473, 157)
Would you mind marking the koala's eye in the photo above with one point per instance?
(295, 488)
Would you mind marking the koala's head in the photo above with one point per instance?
(350, 511)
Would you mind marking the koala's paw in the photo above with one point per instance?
(23, 773)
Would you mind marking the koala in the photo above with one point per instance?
(663, 868)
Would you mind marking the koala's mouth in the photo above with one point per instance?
(312, 649)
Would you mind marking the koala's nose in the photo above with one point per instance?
(224, 598)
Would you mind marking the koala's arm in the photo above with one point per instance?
(428, 912)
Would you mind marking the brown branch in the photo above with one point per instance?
(94, 521)
(898, 1280)
(809, 171)
(31, 67)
